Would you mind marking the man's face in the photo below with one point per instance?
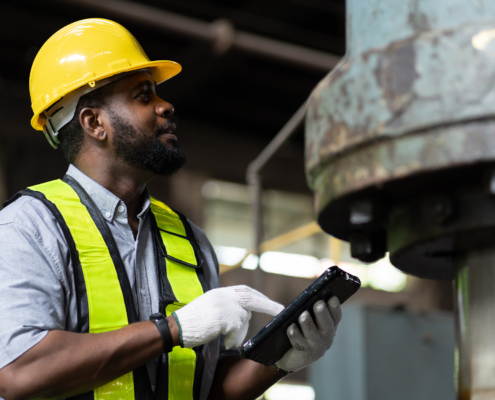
(142, 126)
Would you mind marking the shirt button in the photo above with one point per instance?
(143, 292)
(121, 208)
(107, 214)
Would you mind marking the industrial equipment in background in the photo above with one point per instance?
(388, 354)
(400, 152)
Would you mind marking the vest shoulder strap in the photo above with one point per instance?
(107, 307)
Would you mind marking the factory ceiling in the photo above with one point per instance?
(247, 67)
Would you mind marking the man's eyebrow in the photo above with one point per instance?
(146, 82)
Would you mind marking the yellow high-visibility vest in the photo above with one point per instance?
(105, 300)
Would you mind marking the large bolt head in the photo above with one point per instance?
(368, 246)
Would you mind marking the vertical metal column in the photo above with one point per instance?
(461, 304)
(253, 176)
(254, 181)
(476, 325)
(256, 192)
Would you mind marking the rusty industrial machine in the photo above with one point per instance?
(400, 154)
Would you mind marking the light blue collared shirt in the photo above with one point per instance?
(37, 291)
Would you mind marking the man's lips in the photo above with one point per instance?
(167, 131)
(170, 136)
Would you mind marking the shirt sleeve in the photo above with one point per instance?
(33, 297)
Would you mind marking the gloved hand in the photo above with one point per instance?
(315, 340)
(224, 311)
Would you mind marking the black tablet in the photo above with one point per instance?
(271, 343)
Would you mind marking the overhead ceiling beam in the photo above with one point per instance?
(221, 34)
(242, 15)
(334, 8)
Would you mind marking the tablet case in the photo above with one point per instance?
(271, 342)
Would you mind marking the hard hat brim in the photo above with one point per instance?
(161, 71)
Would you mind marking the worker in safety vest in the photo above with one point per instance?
(105, 292)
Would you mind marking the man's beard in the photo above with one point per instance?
(144, 151)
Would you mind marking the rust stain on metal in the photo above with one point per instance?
(396, 91)
(396, 74)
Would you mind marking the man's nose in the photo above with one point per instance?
(164, 110)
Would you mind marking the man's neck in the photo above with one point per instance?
(127, 183)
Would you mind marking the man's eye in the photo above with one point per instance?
(145, 95)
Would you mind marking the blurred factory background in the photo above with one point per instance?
(248, 65)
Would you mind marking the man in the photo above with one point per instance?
(105, 292)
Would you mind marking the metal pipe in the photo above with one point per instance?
(476, 325)
(254, 182)
(285, 133)
(256, 190)
(276, 49)
(210, 32)
(253, 171)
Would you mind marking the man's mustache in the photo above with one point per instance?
(167, 127)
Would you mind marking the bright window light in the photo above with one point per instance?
(381, 275)
(290, 264)
(251, 262)
(229, 255)
(232, 255)
(285, 391)
(384, 276)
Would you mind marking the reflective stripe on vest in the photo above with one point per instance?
(106, 303)
(186, 287)
(107, 310)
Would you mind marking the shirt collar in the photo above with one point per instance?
(105, 200)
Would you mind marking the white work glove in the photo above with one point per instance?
(315, 340)
(225, 311)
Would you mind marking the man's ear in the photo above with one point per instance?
(91, 121)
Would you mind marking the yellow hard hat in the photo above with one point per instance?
(81, 54)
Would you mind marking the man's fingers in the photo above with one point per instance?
(308, 327)
(237, 336)
(265, 306)
(230, 340)
(253, 300)
(254, 292)
(296, 338)
(323, 319)
(335, 310)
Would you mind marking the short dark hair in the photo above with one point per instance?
(71, 136)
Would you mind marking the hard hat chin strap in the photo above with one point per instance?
(61, 113)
